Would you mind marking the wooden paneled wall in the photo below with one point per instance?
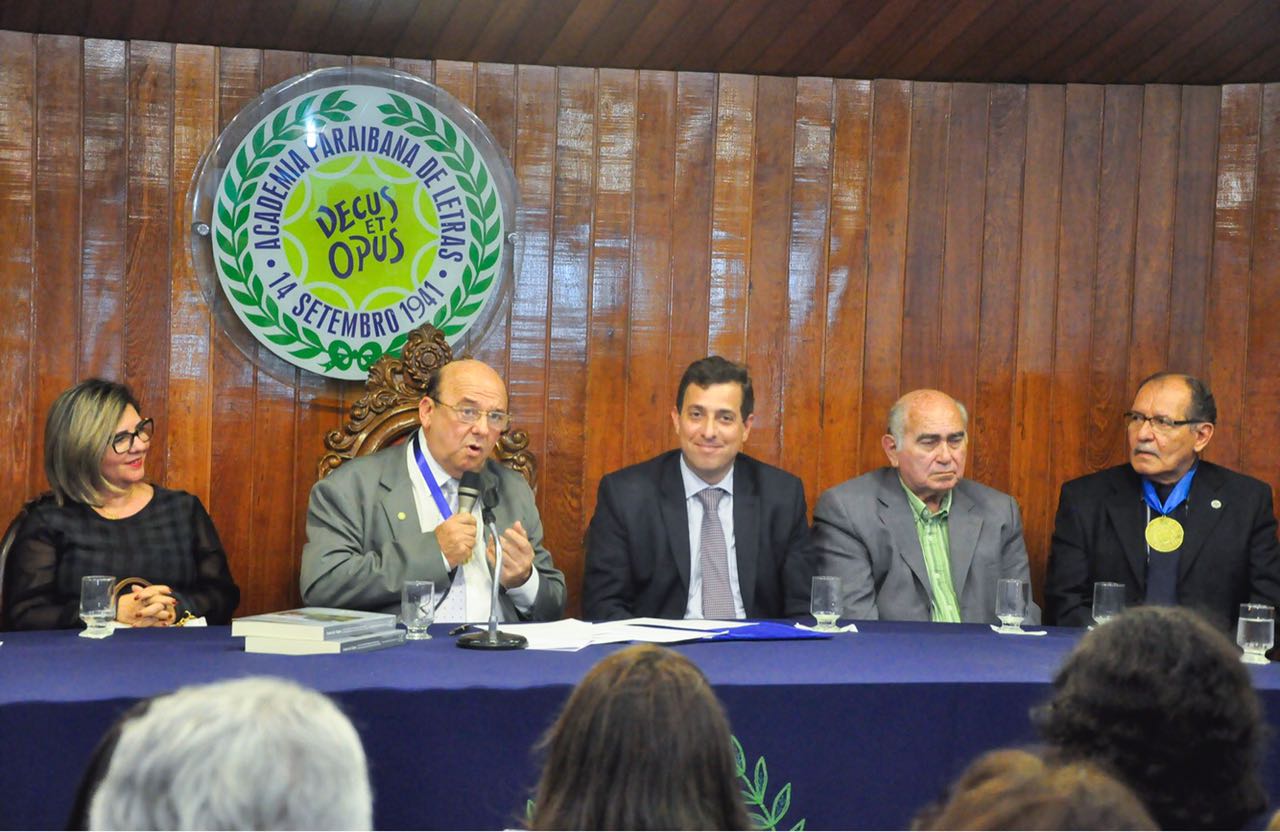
(1033, 250)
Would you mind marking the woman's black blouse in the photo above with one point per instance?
(170, 541)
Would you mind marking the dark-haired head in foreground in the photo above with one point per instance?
(99, 760)
(1159, 697)
(642, 743)
(1014, 789)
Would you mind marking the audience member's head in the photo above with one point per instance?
(1159, 697)
(642, 743)
(1020, 790)
(254, 753)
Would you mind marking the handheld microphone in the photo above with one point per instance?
(468, 491)
(493, 638)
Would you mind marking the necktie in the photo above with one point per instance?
(454, 607)
(713, 556)
(1162, 569)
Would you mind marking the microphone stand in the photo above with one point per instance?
(493, 638)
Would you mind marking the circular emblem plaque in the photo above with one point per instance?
(345, 207)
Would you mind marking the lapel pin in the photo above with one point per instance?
(401, 515)
(1216, 504)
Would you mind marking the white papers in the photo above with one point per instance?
(620, 631)
(569, 634)
(572, 634)
(681, 623)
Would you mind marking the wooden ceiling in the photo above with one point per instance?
(1091, 41)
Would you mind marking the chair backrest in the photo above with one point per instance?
(6, 543)
(388, 412)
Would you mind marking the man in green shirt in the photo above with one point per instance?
(915, 541)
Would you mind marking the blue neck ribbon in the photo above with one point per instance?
(430, 477)
(1176, 497)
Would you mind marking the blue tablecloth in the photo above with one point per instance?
(865, 728)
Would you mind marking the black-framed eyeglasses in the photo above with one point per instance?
(498, 419)
(1160, 424)
(122, 442)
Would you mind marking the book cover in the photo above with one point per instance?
(313, 624)
(302, 647)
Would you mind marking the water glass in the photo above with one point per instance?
(825, 602)
(97, 605)
(1012, 597)
(418, 608)
(1108, 601)
(1256, 632)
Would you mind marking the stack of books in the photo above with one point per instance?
(311, 630)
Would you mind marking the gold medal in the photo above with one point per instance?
(1164, 534)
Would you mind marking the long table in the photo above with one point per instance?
(865, 728)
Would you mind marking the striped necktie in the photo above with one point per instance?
(454, 607)
(713, 557)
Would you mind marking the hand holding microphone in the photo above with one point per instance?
(457, 535)
(457, 538)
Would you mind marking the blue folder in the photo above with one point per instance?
(767, 631)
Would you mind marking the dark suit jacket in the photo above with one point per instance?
(637, 545)
(1229, 556)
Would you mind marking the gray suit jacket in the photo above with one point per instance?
(863, 532)
(364, 539)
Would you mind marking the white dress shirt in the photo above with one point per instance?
(478, 583)
(693, 505)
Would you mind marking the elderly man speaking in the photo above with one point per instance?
(915, 541)
(393, 516)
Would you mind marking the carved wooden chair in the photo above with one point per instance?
(388, 413)
(10, 535)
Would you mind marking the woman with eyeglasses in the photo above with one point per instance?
(104, 518)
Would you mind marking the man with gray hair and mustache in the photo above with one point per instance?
(1171, 527)
(915, 541)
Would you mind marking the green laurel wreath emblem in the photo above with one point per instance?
(482, 201)
(254, 159)
(754, 792)
(233, 206)
(767, 818)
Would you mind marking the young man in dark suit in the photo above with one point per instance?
(704, 531)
